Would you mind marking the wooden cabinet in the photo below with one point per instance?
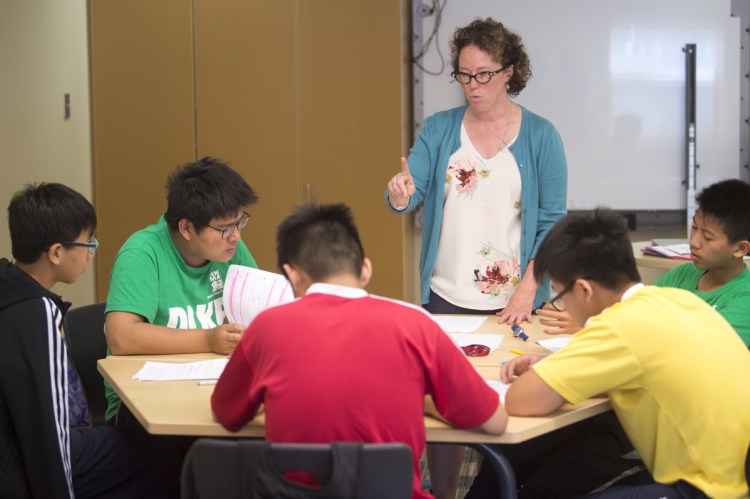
(304, 98)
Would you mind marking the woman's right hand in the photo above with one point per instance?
(401, 187)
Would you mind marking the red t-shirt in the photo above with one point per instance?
(339, 364)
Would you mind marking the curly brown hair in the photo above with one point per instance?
(505, 47)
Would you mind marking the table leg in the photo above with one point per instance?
(506, 478)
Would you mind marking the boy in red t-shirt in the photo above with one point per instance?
(340, 364)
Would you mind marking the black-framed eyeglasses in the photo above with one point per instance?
(556, 301)
(92, 245)
(238, 225)
(482, 77)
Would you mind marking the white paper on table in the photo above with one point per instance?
(249, 291)
(168, 371)
(555, 344)
(491, 340)
(499, 387)
(459, 324)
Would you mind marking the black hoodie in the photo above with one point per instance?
(34, 429)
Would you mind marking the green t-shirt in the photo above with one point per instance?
(732, 300)
(150, 278)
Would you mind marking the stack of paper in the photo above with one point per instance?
(676, 251)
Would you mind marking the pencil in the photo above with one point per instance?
(517, 352)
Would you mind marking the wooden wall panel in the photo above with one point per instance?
(142, 113)
(351, 79)
(246, 114)
(290, 92)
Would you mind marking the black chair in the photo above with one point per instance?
(229, 469)
(84, 330)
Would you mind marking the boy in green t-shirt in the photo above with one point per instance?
(719, 239)
(166, 286)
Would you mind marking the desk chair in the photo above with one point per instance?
(231, 469)
(84, 331)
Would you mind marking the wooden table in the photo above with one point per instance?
(183, 407)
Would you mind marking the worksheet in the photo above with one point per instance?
(249, 291)
(169, 371)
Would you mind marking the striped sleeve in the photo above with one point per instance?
(58, 362)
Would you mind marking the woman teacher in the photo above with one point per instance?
(493, 179)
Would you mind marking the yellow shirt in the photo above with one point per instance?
(678, 377)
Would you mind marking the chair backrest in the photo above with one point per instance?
(246, 469)
(84, 330)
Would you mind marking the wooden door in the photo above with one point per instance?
(246, 96)
(142, 114)
(351, 86)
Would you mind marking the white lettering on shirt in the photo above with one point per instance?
(187, 318)
(177, 318)
(204, 313)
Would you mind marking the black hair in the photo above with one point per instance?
(505, 47)
(322, 240)
(44, 214)
(593, 246)
(728, 202)
(204, 190)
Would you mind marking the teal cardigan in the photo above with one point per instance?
(540, 156)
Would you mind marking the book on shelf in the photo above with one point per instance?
(674, 251)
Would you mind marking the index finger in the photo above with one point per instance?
(405, 167)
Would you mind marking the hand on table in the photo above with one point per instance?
(224, 338)
(518, 366)
(401, 187)
(560, 322)
(519, 306)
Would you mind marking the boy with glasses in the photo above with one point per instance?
(166, 286)
(340, 364)
(43, 450)
(677, 374)
(719, 240)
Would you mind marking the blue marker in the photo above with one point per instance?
(519, 332)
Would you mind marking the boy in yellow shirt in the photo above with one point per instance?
(682, 395)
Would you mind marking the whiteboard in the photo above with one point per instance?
(611, 77)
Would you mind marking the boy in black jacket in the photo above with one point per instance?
(42, 454)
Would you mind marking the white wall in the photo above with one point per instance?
(44, 55)
(610, 77)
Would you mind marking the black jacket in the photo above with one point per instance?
(34, 430)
